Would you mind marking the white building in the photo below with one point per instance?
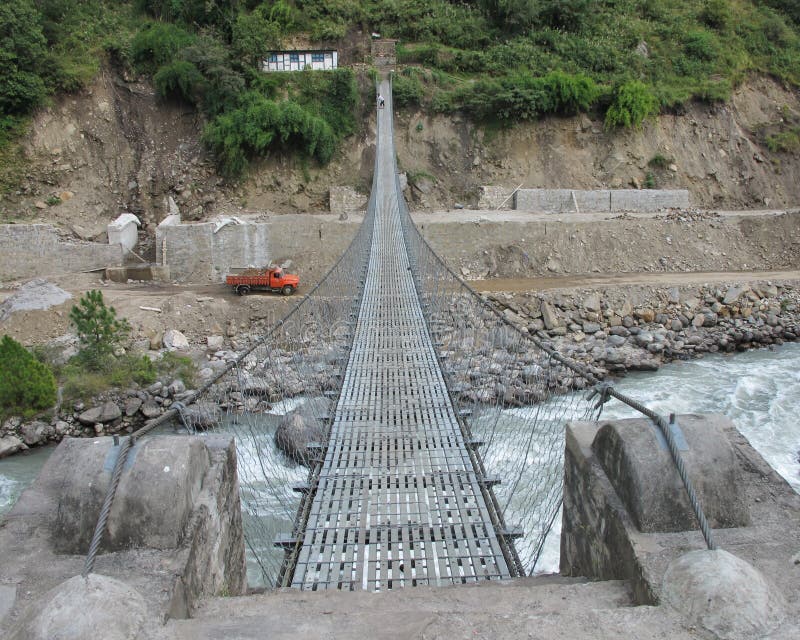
(319, 60)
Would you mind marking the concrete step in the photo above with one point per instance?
(551, 607)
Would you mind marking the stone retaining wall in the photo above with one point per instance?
(31, 250)
(205, 253)
(566, 200)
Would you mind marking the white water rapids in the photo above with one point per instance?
(758, 390)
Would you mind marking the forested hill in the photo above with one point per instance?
(499, 61)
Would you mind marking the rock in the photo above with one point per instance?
(591, 327)
(11, 444)
(107, 412)
(202, 416)
(301, 426)
(175, 340)
(85, 608)
(698, 320)
(532, 373)
(177, 387)
(734, 293)
(644, 338)
(616, 341)
(723, 594)
(231, 330)
(40, 205)
(34, 433)
(215, 342)
(592, 303)
(62, 427)
(646, 314)
(150, 409)
(619, 331)
(549, 316)
(132, 405)
(614, 356)
(424, 184)
(155, 341)
(674, 296)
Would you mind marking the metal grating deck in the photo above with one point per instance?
(398, 501)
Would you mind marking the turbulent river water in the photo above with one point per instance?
(758, 390)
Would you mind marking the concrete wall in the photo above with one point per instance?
(494, 198)
(565, 200)
(346, 200)
(626, 516)
(32, 250)
(174, 531)
(194, 253)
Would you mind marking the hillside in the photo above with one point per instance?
(109, 106)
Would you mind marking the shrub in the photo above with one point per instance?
(176, 366)
(406, 90)
(179, 80)
(80, 381)
(99, 330)
(26, 385)
(785, 141)
(158, 44)
(650, 181)
(659, 161)
(633, 102)
(520, 97)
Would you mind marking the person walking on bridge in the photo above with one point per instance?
(380, 101)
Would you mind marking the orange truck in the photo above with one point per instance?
(272, 279)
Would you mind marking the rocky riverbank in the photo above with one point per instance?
(116, 412)
(611, 331)
(641, 328)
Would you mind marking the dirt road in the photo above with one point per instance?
(605, 280)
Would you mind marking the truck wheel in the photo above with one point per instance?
(242, 289)
(287, 290)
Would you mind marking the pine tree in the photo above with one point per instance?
(99, 330)
(26, 385)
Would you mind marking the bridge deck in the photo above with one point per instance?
(398, 500)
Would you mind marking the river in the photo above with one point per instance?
(758, 390)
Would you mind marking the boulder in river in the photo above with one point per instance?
(300, 426)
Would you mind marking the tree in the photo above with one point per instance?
(26, 385)
(99, 330)
(23, 50)
(254, 34)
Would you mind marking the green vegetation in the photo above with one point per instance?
(26, 385)
(100, 332)
(660, 162)
(784, 141)
(501, 61)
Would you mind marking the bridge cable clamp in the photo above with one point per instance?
(602, 390)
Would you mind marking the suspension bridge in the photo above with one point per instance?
(399, 498)
(428, 430)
